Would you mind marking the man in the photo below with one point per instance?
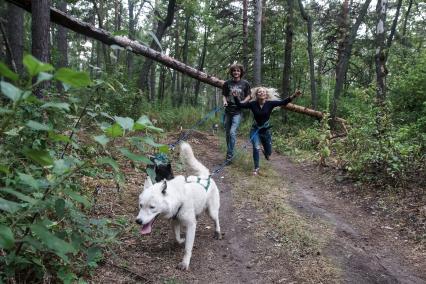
(235, 86)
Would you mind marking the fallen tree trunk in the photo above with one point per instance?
(86, 29)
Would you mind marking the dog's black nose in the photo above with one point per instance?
(139, 221)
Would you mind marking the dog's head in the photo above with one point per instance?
(152, 203)
(161, 168)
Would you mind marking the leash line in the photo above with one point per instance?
(201, 121)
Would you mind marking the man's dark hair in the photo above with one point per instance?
(237, 66)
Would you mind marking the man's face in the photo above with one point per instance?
(236, 73)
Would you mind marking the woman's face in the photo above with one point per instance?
(261, 94)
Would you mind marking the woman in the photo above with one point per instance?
(262, 108)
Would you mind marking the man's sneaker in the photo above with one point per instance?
(228, 161)
(256, 172)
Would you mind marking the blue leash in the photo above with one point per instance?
(201, 121)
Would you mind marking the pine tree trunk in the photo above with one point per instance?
(308, 19)
(15, 36)
(62, 43)
(258, 44)
(201, 64)
(380, 57)
(343, 63)
(40, 26)
(288, 49)
(245, 35)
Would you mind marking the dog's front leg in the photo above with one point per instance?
(176, 230)
(189, 243)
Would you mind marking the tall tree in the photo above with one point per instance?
(308, 20)
(132, 31)
(15, 36)
(201, 63)
(380, 56)
(62, 42)
(245, 35)
(257, 68)
(40, 26)
(288, 48)
(343, 62)
(162, 26)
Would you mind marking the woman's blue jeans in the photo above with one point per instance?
(232, 122)
(257, 137)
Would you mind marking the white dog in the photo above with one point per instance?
(181, 200)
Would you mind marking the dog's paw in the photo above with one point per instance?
(217, 235)
(182, 266)
(180, 241)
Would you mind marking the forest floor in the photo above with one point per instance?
(294, 223)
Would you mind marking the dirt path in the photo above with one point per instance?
(298, 232)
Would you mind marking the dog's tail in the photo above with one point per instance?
(193, 166)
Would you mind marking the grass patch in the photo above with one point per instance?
(302, 239)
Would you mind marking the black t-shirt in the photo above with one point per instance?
(262, 115)
(242, 87)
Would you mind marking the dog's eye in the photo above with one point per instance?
(140, 206)
(152, 207)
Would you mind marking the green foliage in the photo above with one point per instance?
(45, 226)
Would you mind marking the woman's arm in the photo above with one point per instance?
(240, 104)
(287, 100)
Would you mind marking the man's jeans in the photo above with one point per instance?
(232, 121)
(262, 136)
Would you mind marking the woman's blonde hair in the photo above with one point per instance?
(271, 93)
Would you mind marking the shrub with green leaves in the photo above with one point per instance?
(46, 231)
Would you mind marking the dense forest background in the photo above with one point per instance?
(361, 63)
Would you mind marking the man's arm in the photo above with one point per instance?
(225, 93)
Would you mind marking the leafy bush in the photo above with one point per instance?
(46, 232)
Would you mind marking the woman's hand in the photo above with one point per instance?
(296, 94)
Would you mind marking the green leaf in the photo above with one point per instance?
(9, 206)
(62, 106)
(19, 195)
(59, 137)
(10, 91)
(109, 161)
(134, 157)
(4, 169)
(29, 180)
(77, 197)
(94, 255)
(125, 122)
(38, 126)
(73, 78)
(144, 123)
(5, 110)
(60, 207)
(41, 157)
(57, 245)
(61, 167)
(34, 66)
(101, 139)
(6, 72)
(43, 76)
(7, 240)
(114, 130)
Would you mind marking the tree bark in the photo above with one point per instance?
(288, 49)
(185, 50)
(343, 63)
(15, 37)
(62, 43)
(201, 64)
(308, 19)
(137, 48)
(380, 57)
(40, 26)
(258, 44)
(161, 29)
(245, 35)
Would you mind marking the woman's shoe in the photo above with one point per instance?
(256, 172)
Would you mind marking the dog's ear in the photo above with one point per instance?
(164, 187)
(147, 183)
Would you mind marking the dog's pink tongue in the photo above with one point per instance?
(147, 228)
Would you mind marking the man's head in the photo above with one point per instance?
(236, 70)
